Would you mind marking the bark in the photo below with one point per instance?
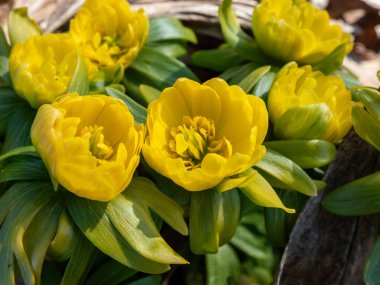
(325, 248)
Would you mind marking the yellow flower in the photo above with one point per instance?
(296, 30)
(200, 134)
(42, 67)
(108, 33)
(306, 104)
(90, 144)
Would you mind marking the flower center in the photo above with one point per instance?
(192, 140)
(98, 147)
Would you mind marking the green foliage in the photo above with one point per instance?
(280, 224)
(79, 83)
(154, 68)
(333, 61)
(20, 26)
(251, 79)
(360, 197)
(316, 120)
(244, 45)
(287, 172)
(222, 266)
(138, 111)
(305, 153)
(214, 217)
(5, 80)
(164, 29)
(371, 274)
(366, 119)
(219, 59)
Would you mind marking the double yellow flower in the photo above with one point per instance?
(42, 67)
(200, 134)
(90, 144)
(306, 104)
(291, 30)
(109, 34)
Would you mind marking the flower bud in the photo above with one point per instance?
(296, 31)
(306, 104)
(42, 67)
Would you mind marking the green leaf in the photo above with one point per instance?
(145, 193)
(138, 111)
(154, 68)
(263, 86)
(135, 224)
(236, 74)
(26, 210)
(21, 191)
(249, 243)
(5, 79)
(8, 104)
(149, 280)
(168, 28)
(218, 59)
(260, 192)
(278, 223)
(23, 168)
(6, 254)
(304, 122)
(22, 150)
(366, 126)
(90, 217)
(222, 266)
(235, 181)
(40, 234)
(18, 131)
(333, 61)
(228, 215)
(251, 79)
(79, 83)
(50, 274)
(149, 93)
(203, 227)
(107, 76)
(63, 244)
(361, 197)
(168, 187)
(110, 273)
(287, 172)
(80, 262)
(305, 153)
(243, 44)
(20, 26)
(371, 99)
(350, 80)
(371, 273)
(214, 217)
(173, 49)
(159, 69)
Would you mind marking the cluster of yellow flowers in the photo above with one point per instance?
(212, 139)
(42, 67)
(197, 135)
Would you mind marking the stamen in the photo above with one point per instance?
(192, 140)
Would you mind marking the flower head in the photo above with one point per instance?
(292, 30)
(108, 33)
(90, 144)
(42, 67)
(200, 134)
(306, 104)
